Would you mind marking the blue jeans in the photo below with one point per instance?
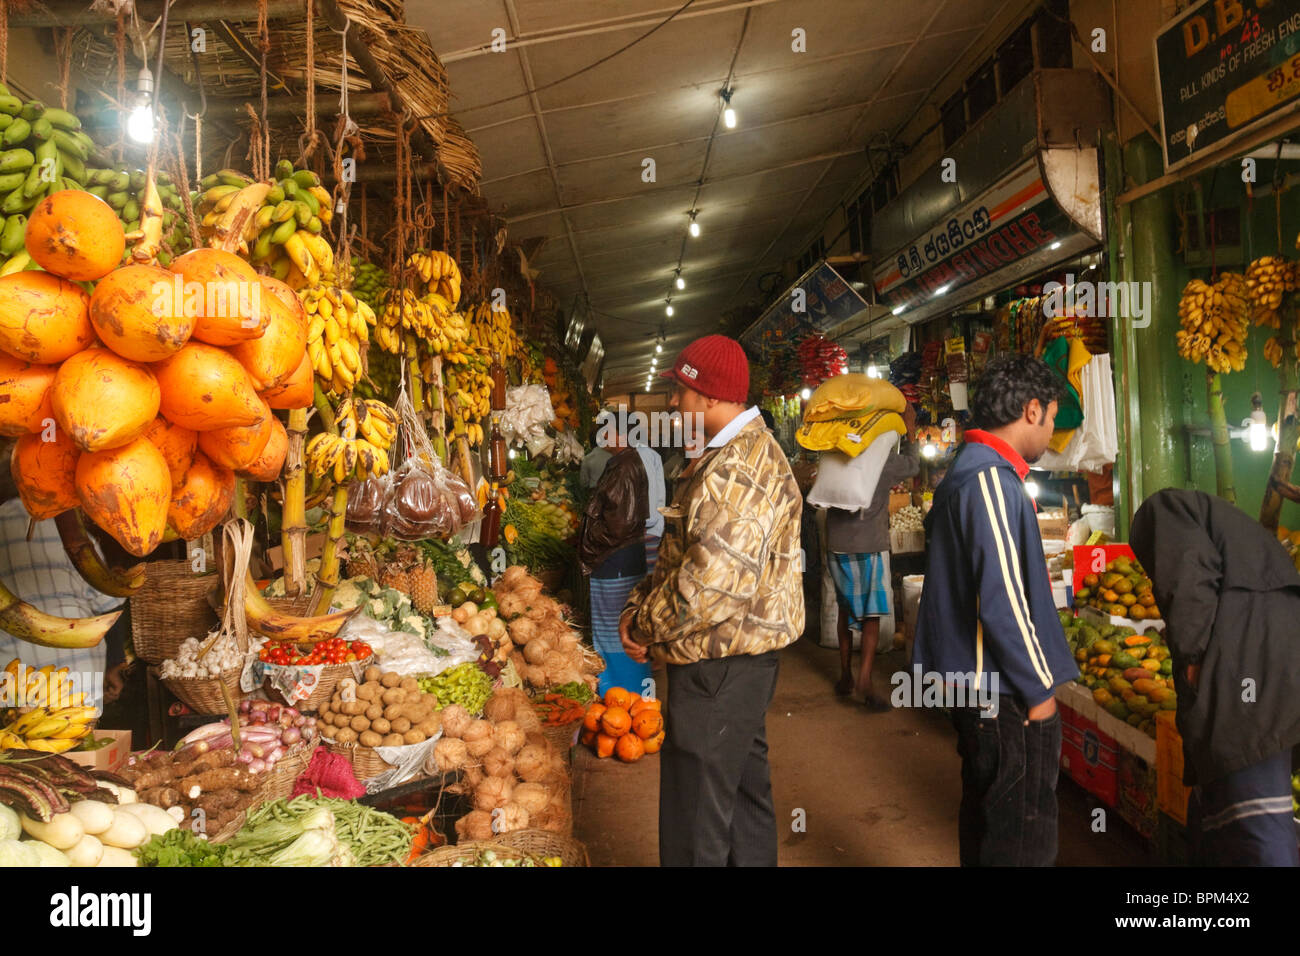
(1009, 766)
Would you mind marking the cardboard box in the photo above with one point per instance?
(1088, 756)
(1053, 524)
(906, 542)
(313, 546)
(108, 758)
(1171, 795)
(1137, 794)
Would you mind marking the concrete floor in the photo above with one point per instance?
(875, 789)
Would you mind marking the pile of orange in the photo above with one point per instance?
(623, 725)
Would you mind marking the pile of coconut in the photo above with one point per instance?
(548, 652)
(515, 777)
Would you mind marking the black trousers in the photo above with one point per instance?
(715, 789)
(1009, 767)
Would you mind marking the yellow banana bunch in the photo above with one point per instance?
(374, 421)
(338, 332)
(1215, 322)
(1269, 278)
(493, 332)
(439, 273)
(51, 717)
(430, 319)
(346, 456)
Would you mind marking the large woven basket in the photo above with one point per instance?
(544, 843)
(170, 608)
(465, 852)
(366, 762)
(230, 829)
(281, 778)
(563, 737)
(204, 696)
(330, 676)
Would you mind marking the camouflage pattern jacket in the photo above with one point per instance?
(728, 580)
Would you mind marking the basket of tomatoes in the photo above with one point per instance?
(305, 677)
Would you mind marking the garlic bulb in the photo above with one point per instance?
(223, 656)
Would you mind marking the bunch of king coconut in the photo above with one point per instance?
(548, 652)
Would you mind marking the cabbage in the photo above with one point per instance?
(47, 854)
(10, 827)
(13, 853)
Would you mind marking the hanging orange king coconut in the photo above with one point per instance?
(103, 400)
(139, 312)
(24, 395)
(46, 473)
(75, 235)
(223, 294)
(201, 499)
(204, 387)
(43, 318)
(127, 491)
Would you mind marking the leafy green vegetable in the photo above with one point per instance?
(181, 848)
(574, 690)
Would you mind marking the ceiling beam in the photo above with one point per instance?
(78, 13)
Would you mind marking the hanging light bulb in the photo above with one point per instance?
(511, 454)
(1031, 486)
(728, 114)
(695, 226)
(140, 122)
(1257, 425)
(669, 310)
(806, 394)
(873, 371)
(928, 450)
(658, 348)
(681, 283)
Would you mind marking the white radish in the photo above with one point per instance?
(95, 817)
(124, 795)
(116, 856)
(126, 833)
(156, 820)
(62, 832)
(87, 852)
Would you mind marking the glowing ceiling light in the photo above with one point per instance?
(898, 310)
(806, 394)
(669, 310)
(681, 283)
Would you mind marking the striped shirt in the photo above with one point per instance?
(39, 572)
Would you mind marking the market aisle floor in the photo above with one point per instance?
(876, 789)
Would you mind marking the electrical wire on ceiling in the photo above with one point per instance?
(564, 79)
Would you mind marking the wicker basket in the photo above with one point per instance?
(544, 843)
(171, 608)
(230, 829)
(366, 762)
(281, 778)
(451, 855)
(330, 676)
(563, 737)
(204, 696)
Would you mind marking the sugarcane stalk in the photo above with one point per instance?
(1219, 436)
(413, 365)
(327, 576)
(1288, 421)
(293, 517)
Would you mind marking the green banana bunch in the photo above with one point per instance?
(123, 189)
(369, 282)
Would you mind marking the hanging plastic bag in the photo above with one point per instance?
(366, 499)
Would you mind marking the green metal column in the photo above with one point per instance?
(1157, 371)
(1128, 477)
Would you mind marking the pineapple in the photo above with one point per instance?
(360, 560)
(423, 582)
(394, 576)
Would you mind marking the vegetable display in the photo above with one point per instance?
(490, 858)
(266, 733)
(205, 790)
(386, 710)
(181, 848)
(287, 832)
(223, 655)
(333, 651)
(465, 685)
(549, 651)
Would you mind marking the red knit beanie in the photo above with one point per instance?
(715, 366)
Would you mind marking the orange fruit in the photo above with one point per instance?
(615, 721)
(605, 746)
(655, 743)
(641, 704)
(647, 723)
(592, 719)
(588, 738)
(629, 748)
(618, 697)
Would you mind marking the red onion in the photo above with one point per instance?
(257, 717)
(286, 720)
(292, 712)
(291, 736)
(245, 705)
(259, 706)
(300, 721)
(273, 713)
(257, 766)
(244, 757)
(275, 755)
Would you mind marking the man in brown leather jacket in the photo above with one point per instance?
(611, 549)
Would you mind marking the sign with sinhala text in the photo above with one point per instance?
(1224, 67)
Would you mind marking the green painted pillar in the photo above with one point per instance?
(1128, 478)
(1160, 457)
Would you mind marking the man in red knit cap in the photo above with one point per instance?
(726, 596)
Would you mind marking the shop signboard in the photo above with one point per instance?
(993, 235)
(1224, 67)
(820, 298)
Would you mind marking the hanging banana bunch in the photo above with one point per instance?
(337, 335)
(367, 430)
(1215, 322)
(493, 332)
(439, 273)
(1269, 278)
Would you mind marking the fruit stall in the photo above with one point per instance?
(318, 431)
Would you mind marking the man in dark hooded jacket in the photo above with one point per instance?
(1231, 598)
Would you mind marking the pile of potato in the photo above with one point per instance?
(385, 710)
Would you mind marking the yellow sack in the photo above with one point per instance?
(850, 435)
(852, 394)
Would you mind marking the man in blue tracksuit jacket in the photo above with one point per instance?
(987, 613)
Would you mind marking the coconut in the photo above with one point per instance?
(528, 721)
(508, 736)
(535, 652)
(512, 817)
(477, 730)
(478, 749)
(450, 754)
(493, 793)
(499, 707)
(476, 825)
(532, 763)
(533, 797)
(455, 720)
(498, 763)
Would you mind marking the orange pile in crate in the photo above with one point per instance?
(623, 725)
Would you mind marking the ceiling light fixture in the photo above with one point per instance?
(1055, 245)
(728, 114)
(140, 122)
(680, 283)
(898, 310)
(658, 348)
(695, 226)
(669, 310)
(942, 289)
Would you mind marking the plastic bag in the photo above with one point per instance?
(366, 505)
(425, 500)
